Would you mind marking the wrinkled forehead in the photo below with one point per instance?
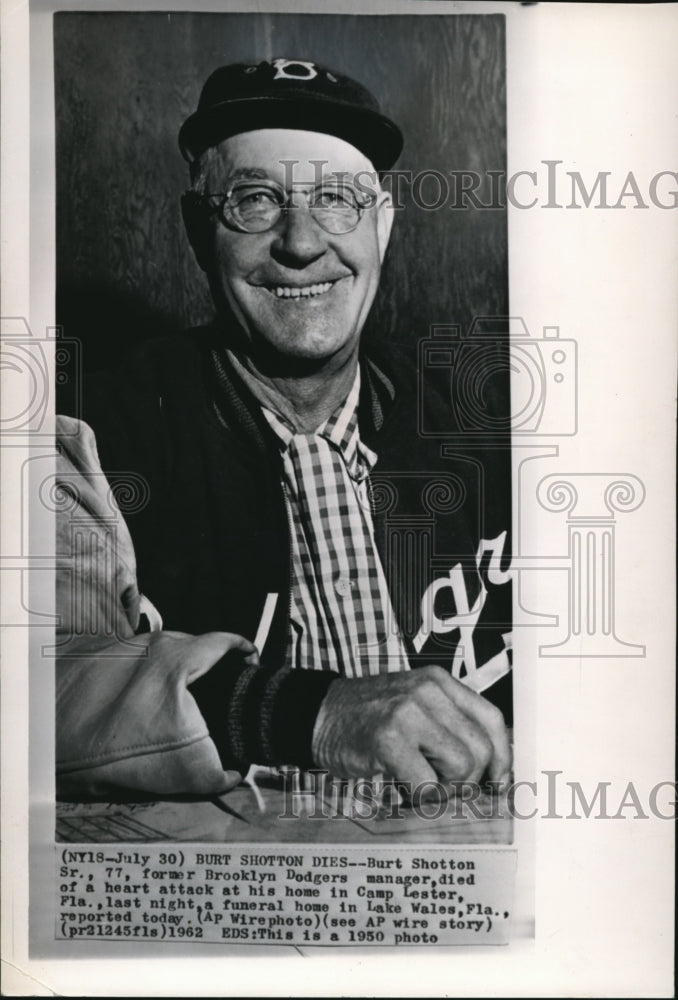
(286, 155)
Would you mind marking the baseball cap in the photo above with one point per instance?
(290, 93)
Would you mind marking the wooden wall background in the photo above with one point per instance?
(126, 81)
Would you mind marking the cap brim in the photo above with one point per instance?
(372, 133)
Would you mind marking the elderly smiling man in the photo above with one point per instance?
(258, 441)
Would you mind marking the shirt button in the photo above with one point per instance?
(343, 586)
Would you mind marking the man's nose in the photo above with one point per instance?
(300, 240)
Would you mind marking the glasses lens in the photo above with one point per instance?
(335, 208)
(254, 207)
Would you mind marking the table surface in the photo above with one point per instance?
(259, 811)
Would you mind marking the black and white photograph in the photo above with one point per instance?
(338, 425)
(284, 531)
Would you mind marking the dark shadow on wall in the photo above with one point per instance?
(107, 324)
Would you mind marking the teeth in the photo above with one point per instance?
(287, 292)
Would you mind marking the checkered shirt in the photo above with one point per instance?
(341, 613)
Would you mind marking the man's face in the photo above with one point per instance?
(297, 290)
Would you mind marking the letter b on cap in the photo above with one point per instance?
(293, 69)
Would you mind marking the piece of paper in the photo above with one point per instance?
(590, 192)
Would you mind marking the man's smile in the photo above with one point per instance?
(288, 291)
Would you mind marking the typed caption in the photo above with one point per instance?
(291, 896)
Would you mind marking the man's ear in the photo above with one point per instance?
(385, 215)
(198, 227)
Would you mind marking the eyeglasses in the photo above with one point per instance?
(256, 206)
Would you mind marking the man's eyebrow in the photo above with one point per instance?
(260, 174)
(248, 173)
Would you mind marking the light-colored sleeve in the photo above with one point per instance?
(124, 716)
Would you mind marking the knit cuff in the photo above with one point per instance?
(260, 715)
(294, 712)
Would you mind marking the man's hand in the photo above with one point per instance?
(417, 726)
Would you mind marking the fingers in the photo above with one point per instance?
(409, 767)
(208, 649)
(414, 727)
(481, 724)
(238, 642)
(416, 747)
(456, 715)
(459, 751)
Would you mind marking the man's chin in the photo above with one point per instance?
(301, 351)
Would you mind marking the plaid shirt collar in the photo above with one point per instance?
(340, 429)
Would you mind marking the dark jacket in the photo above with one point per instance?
(211, 533)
